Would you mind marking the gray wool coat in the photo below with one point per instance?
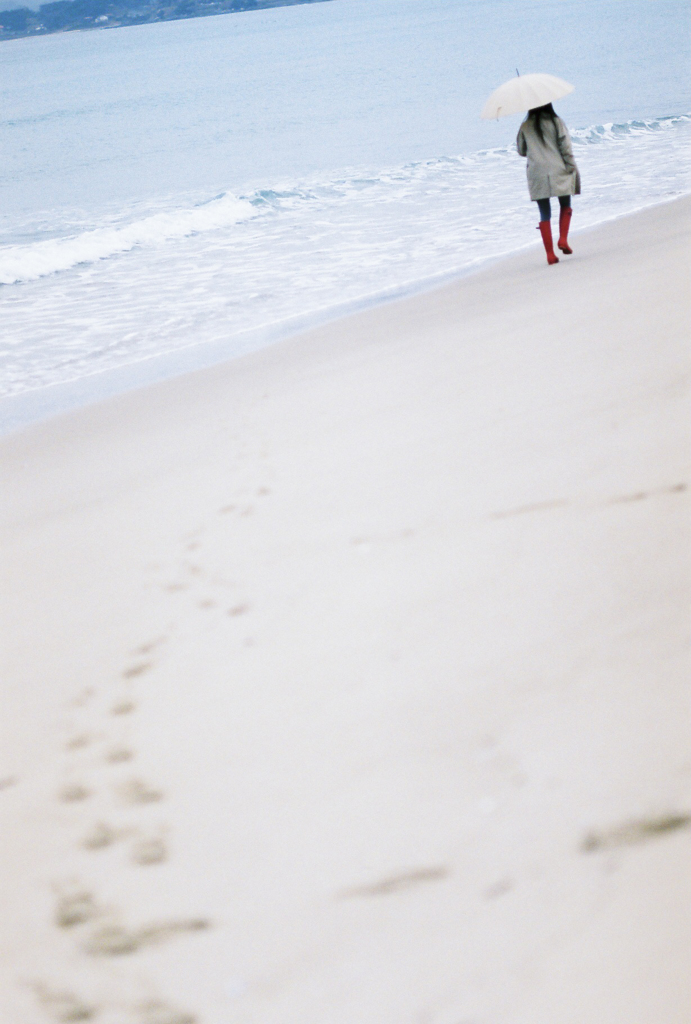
(551, 167)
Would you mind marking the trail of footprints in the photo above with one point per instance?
(100, 766)
(206, 588)
(100, 769)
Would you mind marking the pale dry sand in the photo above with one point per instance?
(345, 683)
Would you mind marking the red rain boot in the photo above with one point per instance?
(564, 221)
(546, 232)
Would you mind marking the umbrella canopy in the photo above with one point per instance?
(523, 93)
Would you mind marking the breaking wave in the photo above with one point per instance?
(629, 129)
(20, 263)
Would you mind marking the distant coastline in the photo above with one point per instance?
(78, 15)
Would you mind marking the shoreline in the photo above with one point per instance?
(32, 406)
(35, 30)
(348, 680)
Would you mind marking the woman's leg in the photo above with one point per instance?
(545, 226)
(564, 222)
(545, 208)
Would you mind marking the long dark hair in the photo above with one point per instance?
(537, 114)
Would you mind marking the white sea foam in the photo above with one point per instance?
(49, 256)
(148, 282)
(20, 263)
(629, 129)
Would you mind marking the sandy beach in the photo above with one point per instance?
(346, 682)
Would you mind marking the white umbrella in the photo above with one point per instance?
(523, 93)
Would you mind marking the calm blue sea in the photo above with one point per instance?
(178, 193)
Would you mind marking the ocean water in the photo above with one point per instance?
(179, 193)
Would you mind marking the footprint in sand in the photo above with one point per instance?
(116, 940)
(633, 832)
(75, 908)
(245, 510)
(101, 836)
(79, 742)
(149, 850)
(193, 537)
(123, 707)
(117, 755)
(83, 698)
(499, 888)
(642, 495)
(134, 791)
(160, 1013)
(137, 670)
(111, 940)
(148, 647)
(73, 793)
(63, 1006)
(396, 883)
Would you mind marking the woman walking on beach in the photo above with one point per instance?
(544, 139)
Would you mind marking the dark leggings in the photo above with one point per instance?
(545, 206)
